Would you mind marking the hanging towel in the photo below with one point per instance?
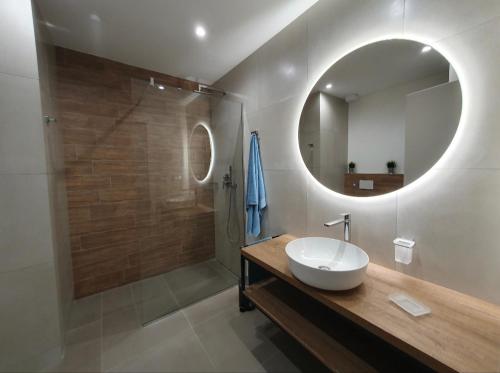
(256, 190)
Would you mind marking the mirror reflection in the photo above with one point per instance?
(200, 152)
(380, 118)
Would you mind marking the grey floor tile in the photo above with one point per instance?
(116, 298)
(85, 310)
(83, 350)
(153, 298)
(184, 353)
(152, 287)
(154, 308)
(126, 340)
(197, 282)
(124, 320)
(186, 277)
(238, 341)
(222, 270)
(212, 306)
(291, 357)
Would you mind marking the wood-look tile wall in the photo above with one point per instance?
(382, 184)
(134, 208)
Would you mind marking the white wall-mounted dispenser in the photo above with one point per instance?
(403, 250)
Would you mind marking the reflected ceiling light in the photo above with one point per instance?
(161, 87)
(426, 49)
(95, 17)
(200, 32)
(329, 86)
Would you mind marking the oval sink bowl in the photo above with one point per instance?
(326, 263)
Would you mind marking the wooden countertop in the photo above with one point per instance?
(461, 334)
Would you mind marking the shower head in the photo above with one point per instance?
(152, 83)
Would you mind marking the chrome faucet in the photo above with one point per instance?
(347, 225)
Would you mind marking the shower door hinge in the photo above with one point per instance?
(47, 119)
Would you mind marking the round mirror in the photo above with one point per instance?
(380, 118)
(201, 152)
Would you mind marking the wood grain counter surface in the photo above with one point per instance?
(461, 334)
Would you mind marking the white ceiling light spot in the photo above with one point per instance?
(200, 32)
(161, 87)
(329, 86)
(426, 49)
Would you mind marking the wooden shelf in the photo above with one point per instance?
(461, 334)
(331, 353)
(340, 345)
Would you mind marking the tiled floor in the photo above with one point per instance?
(157, 296)
(209, 336)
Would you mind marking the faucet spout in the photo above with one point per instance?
(346, 220)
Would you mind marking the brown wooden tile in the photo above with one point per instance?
(128, 208)
(82, 198)
(87, 182)
(132, 212)
(95, 240)
(118, 195)
(78, 168)
(104, 225)
(109, 153)
(119, 168)
(78, 215)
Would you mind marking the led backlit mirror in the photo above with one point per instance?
(389, 109)
(201, 152)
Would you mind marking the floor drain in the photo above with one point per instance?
(324, 268)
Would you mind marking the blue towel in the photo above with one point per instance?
(256, 190)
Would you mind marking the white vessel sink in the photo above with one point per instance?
(327, 263)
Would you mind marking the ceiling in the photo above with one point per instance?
(380, 65)
(160, 34)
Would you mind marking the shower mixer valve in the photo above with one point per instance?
(227, 179)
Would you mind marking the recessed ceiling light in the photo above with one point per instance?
(426, 49)
(329, 86)
(200, 31)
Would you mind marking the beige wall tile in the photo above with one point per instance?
(467, 33)
(440, 19)
(18, 55)
(22, 146)
(26, 237)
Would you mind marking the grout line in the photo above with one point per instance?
(218, 313)
(101, 333)
(37, 78)
(199, 340)
(404, 16)
(467, 29)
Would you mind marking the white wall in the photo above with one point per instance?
(323, 138)
(30, 313)
(333, 139)
(439, 210)
(431, 122)
(377, 126)
(309, 138)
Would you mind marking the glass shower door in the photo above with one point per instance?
(184, 253)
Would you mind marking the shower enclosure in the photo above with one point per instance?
(190, 224)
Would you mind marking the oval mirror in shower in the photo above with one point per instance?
(201, 152)
(380, 117)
